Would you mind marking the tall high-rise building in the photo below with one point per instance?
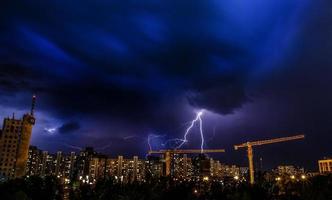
(14, 144)
(120, 166)
(154, 167)
(98, 167)
(58, 162)
(47, 167)
(215, 168)
(40, 163)
(69, 165)
(34, 163)
(182, 167)
(201, 166)
(82, 164)
(135, 167)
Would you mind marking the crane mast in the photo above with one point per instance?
(249, 146)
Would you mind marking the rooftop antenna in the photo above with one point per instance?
(33, 104)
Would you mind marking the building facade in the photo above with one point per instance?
(14, 144)
(87, 166)
(41, 163)
(35, 162)
(325, 165)
(289, 170)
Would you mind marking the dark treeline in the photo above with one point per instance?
(32, 188)
(315, 188)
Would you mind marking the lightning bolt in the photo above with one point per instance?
(82, 148)
(182, 141)
(150, 148)
(104, 147)
(72, 146)
(193, 122)
(213, 134)
(171, 142)
(129, 137)
(201, 132)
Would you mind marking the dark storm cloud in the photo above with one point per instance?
(145, 63)
(124, 58)
(223, 99)
(69, 127)
(14, 77)
(100, 62)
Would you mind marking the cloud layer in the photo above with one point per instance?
(116, 69)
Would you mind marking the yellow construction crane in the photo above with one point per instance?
(168, 153)
(249, 146)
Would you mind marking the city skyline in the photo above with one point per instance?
(111, 75)
(184, 167)
(12, 126)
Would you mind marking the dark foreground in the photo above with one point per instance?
(315, 188)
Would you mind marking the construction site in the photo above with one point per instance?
(168, 156)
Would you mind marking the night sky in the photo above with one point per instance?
(109, 73)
